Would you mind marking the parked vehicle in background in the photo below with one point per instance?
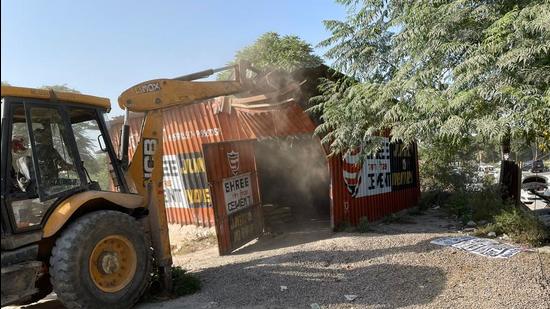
(535, 183)
(537, 166)
(534, 166)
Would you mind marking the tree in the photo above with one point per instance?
(437, 70)
(274, 52)
(63, 88)
(4, 83)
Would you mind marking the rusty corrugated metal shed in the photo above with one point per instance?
(187, 128)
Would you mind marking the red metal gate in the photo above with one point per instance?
(233, 180)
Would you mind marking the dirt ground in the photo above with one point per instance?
(395, 266)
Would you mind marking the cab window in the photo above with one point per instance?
(56, 164)
(91, 146)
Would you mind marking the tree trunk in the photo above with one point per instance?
(505, 146)
(509, 171)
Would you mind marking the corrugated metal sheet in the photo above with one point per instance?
(233, 178)
(186, 130)
(282, 120)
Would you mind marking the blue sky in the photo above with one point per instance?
(104, 47)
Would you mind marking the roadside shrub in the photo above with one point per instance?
(432, 198)
(345, 227)
(183, 282)
(487, 203)
(458, 206)
(483, 204)
(447, 165)
(521, 227)
(364, 225)
(484, 230)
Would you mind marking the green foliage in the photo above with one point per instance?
(98, 168)
(63, 88)
(503, 216)
(476, 205)
(96, 164)
(5, 83)
(521, 227)
(272, 51)
(438, 70)
(432, 199)
(482, 231)
(445, 166)
(364, 225)
(458, 206)
(86, 139)
(183, 282)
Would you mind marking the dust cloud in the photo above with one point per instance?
(293, 172)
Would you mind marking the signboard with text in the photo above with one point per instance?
(237, 192)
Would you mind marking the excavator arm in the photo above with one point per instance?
(164, 93)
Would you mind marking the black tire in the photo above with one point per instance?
(69, 263)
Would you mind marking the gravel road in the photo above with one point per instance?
(393, 267)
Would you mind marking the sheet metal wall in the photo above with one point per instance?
(347, 204)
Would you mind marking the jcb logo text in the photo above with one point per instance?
(149, 148)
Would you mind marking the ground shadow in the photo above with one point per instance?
(324, 277)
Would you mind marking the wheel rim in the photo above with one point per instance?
(113, 263)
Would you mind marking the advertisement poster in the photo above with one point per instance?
(391, 168)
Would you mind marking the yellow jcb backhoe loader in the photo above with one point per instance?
(76, 217)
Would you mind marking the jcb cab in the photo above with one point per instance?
(70, 219)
